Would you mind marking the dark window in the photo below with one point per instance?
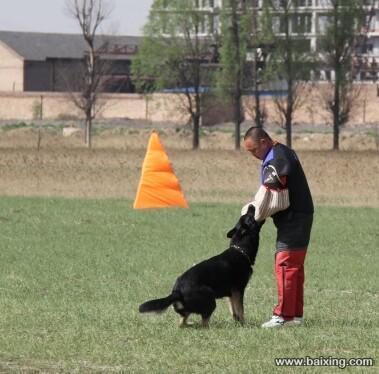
(302, 23)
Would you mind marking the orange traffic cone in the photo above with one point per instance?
(158, 186)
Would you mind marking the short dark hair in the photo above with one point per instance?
(256, 133)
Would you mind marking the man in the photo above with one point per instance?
(283, 195)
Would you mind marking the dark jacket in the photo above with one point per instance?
(293, 224)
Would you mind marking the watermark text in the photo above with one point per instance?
(341, 363)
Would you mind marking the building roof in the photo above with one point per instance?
(37, 46)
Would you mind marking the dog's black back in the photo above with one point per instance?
(226, 274)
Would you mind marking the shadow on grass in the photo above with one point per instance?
(340, 323)
(221, 325)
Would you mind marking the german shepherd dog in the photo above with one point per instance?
(226, 274)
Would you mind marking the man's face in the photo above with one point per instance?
(257, 149)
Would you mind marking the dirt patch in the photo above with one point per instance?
(216, 173)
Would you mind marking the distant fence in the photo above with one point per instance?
(169, 107)
(50, 105)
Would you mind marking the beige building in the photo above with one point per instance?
(31, 61)
(11, 69)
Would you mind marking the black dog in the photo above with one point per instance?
(226, 274)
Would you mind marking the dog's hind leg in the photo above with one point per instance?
(205, 321)
(183, 321)
(180, 309)
(206, 315)
(201, 301)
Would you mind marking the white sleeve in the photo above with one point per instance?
(268, 202)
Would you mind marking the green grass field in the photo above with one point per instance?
(73, 273)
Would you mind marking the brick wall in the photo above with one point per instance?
(168, 107)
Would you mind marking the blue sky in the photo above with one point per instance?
(127, 17)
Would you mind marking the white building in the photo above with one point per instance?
(311, 16)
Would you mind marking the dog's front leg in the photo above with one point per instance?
(240, 310)
(236, 306)
(232, 307)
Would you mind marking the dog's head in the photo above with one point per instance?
(245, 226)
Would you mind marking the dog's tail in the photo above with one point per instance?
(159, 305)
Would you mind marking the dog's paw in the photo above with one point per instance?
(186, 325)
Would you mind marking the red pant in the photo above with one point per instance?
(289, 271)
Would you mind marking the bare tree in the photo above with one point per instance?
(346, 19)
(235, 35)
(174, 55)
(90, 14)
(262, 45)
(292, 60)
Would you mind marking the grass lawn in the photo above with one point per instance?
(73, 273)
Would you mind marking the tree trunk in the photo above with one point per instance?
(258, 112)
(336, 111)
(196, 131)
(237, 94)
(237, 144)
(337, 82)
(257, 98)
(256, 83)
(237, 121)
(289, 132)
(336, 135)
(87, 132)
(288, 115)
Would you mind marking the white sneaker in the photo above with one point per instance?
(277, 321)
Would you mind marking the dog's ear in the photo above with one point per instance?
(231, 233)
(234, 229)
(249, 222)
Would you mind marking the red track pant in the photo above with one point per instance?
(289, 271)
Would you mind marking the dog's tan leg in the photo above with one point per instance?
(205, 321)
(240, 313)
(237, 306)
(232, 307)
(183, 321)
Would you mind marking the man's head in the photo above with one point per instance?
(257, 142)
